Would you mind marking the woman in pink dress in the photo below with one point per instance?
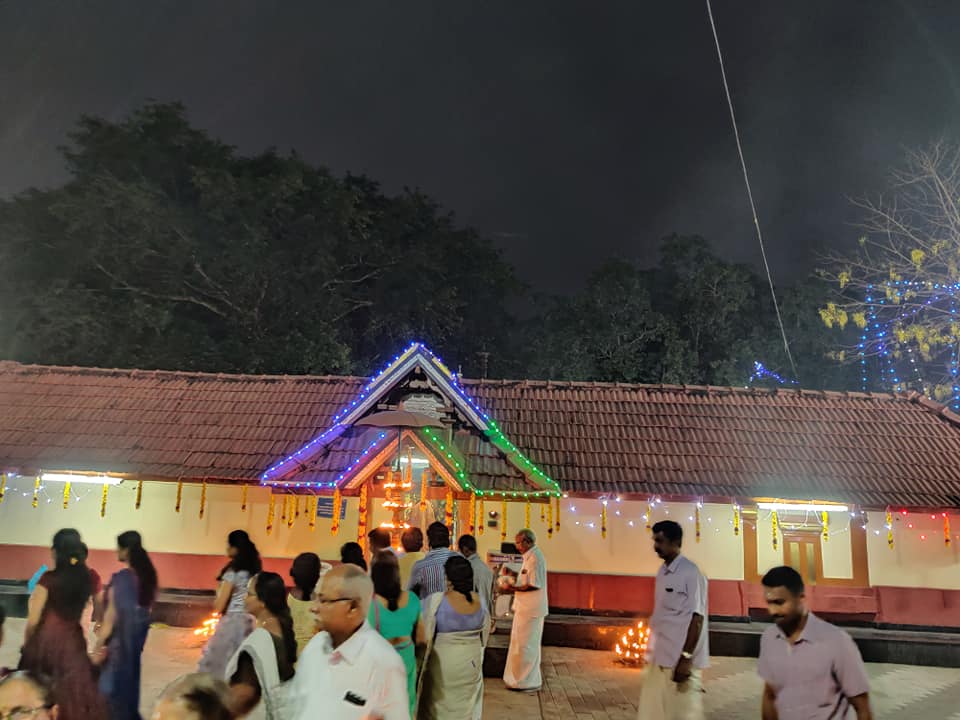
(55, 645)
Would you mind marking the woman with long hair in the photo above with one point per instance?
(235, 624)
(129, 598)
(351, 553)
(306, 571)
(55, 644)
(395, 613)
(457, 626)
(264, 662)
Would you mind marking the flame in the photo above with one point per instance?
(632, 647)
(208, 626)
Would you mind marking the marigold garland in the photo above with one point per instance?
(103, 501)
(3, 486)
(337, 505)
(526, 514)
(179, 494)
(283, 510)
(271, 510)
(473, 513)
(243, 499)
(736, 520)
(775, 524)
(503, 519)
(294, 510)
(482, 517)
(557, 515)
(603, 519)
(543, 510)
(313, 503)
(203, 498)
(826, 526)
(649, 517)
(946, 530)
(296, 506)
(889, 528)
(66, 494)
(136, 503)
(448, 509)
(549, 519)
(696, 516)
(362, 524)
(36, 491)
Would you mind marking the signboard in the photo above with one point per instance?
(325, 508)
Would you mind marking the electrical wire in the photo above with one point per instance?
(753, 207)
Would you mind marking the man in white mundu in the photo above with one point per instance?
(529, 611)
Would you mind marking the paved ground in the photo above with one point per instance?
(588, 685)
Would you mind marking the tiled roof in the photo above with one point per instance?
(873, 450)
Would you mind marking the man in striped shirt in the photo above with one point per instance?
(428, 576)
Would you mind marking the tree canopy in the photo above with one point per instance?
(167, 248)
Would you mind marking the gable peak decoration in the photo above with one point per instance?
(415, 356)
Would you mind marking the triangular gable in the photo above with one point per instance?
(415, 356)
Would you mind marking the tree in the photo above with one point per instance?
(899, 287)
(166, 248)
(716, 308)
(609, 332)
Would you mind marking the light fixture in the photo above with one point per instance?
(801, 507)
(80, 479)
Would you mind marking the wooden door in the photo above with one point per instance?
(801, 551)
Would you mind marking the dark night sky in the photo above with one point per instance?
(566, 131)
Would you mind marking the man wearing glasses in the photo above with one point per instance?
(348, 671)
(23, 697)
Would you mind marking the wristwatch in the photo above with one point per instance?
(686, 655)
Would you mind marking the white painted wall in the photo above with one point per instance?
(627, 550)
(836, 552)
(919, 557)
(576, 548)
(163, 529)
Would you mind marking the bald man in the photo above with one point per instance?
(348, 671)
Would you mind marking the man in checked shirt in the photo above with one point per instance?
(428, 575)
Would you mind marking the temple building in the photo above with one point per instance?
(857, 491)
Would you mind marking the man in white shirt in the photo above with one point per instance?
(679, 647)
(530, 609)
(348, 671)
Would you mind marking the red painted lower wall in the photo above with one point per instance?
(570, 591)
(180, 571)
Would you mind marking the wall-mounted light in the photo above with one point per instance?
(801, 507)
(80, 479)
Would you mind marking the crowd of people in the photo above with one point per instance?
(388, 635)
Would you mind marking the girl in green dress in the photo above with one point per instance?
(395, 613)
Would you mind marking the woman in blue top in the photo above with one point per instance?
(121, 637)
(235, 624)
(457, 626)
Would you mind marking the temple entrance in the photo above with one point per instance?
(801, 551)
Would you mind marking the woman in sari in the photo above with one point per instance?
(456, 626)
(257, 672)
(395, 613)
(235, 624)
(126, 621)
(55, 645)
